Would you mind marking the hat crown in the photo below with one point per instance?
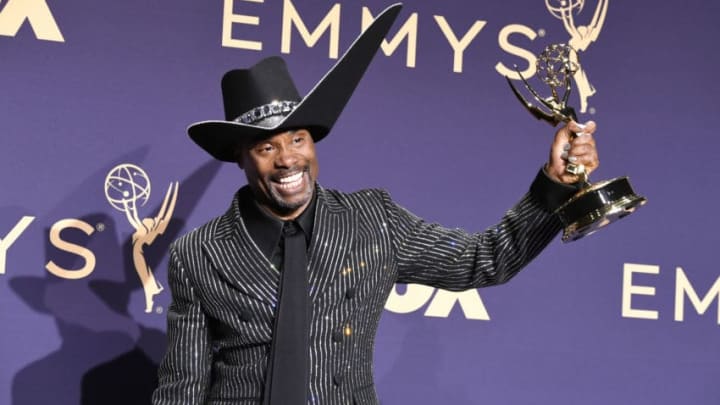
(262, 100)
(266, 82)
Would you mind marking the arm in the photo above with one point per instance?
(454, 259)
(184, 373)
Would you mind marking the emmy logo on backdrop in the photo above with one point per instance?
(581, 36)
(127, 186)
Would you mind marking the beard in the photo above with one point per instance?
(287, 204)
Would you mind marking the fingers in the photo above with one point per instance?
(582, 129)
(582, 149)
(574, 145)
(581, 152)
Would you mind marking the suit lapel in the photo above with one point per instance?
(239, 261)
(333, 235)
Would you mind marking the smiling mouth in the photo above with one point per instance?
(290, 182)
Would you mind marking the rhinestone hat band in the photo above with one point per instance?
(265, 111)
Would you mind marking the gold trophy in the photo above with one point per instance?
(595, 205)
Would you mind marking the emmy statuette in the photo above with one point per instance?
(595, 205)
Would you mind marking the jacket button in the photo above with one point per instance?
(350, 293)
(338, 379)
(337, 336)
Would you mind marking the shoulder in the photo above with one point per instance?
(193, 239)
(356, 200)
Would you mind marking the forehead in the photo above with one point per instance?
(275, 137)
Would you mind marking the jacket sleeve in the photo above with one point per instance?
(184, 373)
(454, 259)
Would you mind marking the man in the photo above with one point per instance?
(278, 300)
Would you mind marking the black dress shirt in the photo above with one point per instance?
(266, 230)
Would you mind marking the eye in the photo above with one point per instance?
(265, 148)
(298, 139)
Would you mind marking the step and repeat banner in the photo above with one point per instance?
(99, 177)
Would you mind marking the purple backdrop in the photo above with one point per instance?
(629, 315)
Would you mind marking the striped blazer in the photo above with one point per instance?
(224, 292)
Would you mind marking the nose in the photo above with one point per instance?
(286, 158)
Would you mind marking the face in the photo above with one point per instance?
(281, 171)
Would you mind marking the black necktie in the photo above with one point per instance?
(288, 366)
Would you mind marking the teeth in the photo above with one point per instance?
(290, 179)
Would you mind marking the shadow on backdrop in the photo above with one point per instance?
(105, 356)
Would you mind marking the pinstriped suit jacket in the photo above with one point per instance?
(224, 292)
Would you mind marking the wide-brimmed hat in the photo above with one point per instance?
(262, 100)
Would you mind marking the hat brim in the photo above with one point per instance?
(317, 112)
(221, 138)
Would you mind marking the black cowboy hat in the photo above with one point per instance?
(262, 100)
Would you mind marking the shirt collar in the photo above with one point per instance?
(265, 229)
